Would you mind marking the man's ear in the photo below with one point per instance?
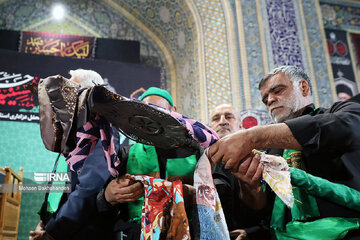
(305, 88)
(173, 108)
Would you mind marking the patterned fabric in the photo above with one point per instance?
(58, 97)
(204, 135)
(293, 158)
(208, 217)
(86, 139)
(88, 134)
(201, 133)
(143, 160)
(276, 174)
(163, 215)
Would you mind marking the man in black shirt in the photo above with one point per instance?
(328, 140)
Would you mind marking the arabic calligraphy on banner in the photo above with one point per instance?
(61, 45)
(16, 102)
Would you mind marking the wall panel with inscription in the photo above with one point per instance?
(17, 70)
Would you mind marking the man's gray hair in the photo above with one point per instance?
(86, 78)
(295, 75)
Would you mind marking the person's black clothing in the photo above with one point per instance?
(330, 139)
(331, 144)
(237, 214)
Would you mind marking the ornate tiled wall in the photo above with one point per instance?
(254, 53)
(291, 35)
(319, 65)
(294, 35)
(85, 18)
(283, 28)
(284, 32)
(343, 15)
(217, 68)
(173, 24)
(211, 51)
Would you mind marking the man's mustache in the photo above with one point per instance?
(223, 128)
(272, 107)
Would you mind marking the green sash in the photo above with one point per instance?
(305, 207)
(55, 197)
(325, 228)
(319, 187)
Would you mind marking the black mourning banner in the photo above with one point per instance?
(17, 70)
(53, 44)
(341, 63)
(67, 45)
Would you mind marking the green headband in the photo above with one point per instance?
(159, 92)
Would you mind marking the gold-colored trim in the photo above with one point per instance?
(215, 59)
(233, 61)
(243, 54)
(210, 9)
(214, 38)
(37, 24)
(221, 75)
(74, 20)
(262, 37)
(216, 29)
(218, 94)
(156, 39)
(308, 52)
(353, 31)
(201, 61)
(326, 51)
(352, 51)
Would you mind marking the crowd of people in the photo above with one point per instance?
(321, 144)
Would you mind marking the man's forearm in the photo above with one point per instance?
(276, 135)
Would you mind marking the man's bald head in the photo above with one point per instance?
(225, 119)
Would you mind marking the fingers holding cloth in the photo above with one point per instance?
(230, 150)
(124, 189)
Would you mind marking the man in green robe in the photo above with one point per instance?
(125, 195)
